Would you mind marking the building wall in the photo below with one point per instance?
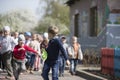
(83, 8)
(113, 35)
(114, 4)
(101, 14)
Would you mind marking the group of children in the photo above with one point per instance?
(20, 52)
(59, 54)
(23, 52)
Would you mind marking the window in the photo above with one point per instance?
(93, 21)
(76, 25)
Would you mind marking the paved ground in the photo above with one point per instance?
(82, 74)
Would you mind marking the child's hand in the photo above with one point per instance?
(38, 54)
(21, 48)
(68, 62)
(70, 54)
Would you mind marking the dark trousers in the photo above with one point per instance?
(46, 68)
(31, 60)
(61, 65)
(0, 61)
(2, 66)
(18, 67)
(7, 59)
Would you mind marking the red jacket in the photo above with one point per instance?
(20, 54)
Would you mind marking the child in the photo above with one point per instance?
(74, 52)
(44, 45)
(7, 43)
(19, 56)
(54, 46)
(62, 59)
(36, 59)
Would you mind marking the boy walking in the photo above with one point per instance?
(6, 51)
(53, 49)
(19, 55)
(75, 53)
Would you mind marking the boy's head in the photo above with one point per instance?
(74, 39)
(27, 35)
(34, 36)
(52, 31)
(21, 39)
(6, 30)
(16, 34)
(63, 38)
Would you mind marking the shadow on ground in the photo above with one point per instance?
(89, 77)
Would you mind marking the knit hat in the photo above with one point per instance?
(21, 37)
(6, 28)
(27, 33)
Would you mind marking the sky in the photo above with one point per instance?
(32, 5)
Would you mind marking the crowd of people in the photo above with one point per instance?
(22, 52)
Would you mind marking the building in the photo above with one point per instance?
(95, 22)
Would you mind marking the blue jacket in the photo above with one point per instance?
(54, 46)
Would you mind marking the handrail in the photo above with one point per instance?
(95, 41)
(101, 31)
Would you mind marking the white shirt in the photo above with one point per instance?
(6, 44)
